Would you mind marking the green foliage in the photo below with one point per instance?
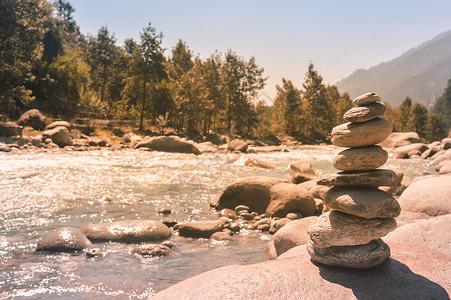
(443, 105)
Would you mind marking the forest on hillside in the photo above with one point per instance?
(46, 63)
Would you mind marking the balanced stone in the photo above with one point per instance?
(360, 256)
(361, 134)
(361, 201)
(366, 98)
(365, 112)
(378, 177)
(335, 228)
(359, 159)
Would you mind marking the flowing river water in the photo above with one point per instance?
(40, 191)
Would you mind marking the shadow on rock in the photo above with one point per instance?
(389, 280)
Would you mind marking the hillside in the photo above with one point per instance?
(420, 73)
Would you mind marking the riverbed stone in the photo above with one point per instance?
(253, 192)
(367, 98)
(365, 113)
(430, 196)
(200, 229)
(292, 234)
(409, 150)
(63, 239)
(360, 159)
(221, 237)
(414, 272)
(378, 177)
(301, 166)
(127, 231)
(365, 202)
(9, 129)
(360, 256)
(288, 197)
(237, 145)
(57, 124)
(255, 161)
(434, 233)
(151, 250)
(335, 228)
(399, 139)
(168, 144)
(361, 134)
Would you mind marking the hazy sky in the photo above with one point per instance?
(337, 36)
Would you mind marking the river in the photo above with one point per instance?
(40, 191)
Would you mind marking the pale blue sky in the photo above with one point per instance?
(337, 36)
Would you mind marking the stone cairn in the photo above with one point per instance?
(349, 235)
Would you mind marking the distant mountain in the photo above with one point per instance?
(420, 73)
(267, 100)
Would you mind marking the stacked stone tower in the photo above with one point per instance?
(349, 235)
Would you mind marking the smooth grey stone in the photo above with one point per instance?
(378, 177)
(361, 134)
(366, 98)
(361, 256)
(365, 202)
(359, 159)
(365, 112)
(335, 228)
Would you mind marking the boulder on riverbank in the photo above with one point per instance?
(168, 144)
(32, 118)
(64, 239)
(253, 192)
(10, 129)
(434, 233)
(430, 196)
(413, 272)
(128, 231)
(398, 139)
(290, 198)
(200, 229)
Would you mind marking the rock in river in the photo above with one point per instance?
(361, 134)
(168, 144)
(127, 231)
(288, 197)
(63, 239)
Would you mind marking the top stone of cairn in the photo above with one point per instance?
(367, 98)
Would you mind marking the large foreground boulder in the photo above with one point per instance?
(398, 139)
(413, 272)
(128, 231)
(64, 239)
(434, 233)
(32, 118)
(8, 129)
(59, 135)
(168, 144)
(430, 196)
(253, 192)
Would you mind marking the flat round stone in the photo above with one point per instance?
(335, 228)
(378, 177)
(361, 134)
(366, 98)
(362, 256)
(360, 159)
(365, 113)
(361, 201)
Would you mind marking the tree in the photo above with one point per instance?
(435, 127)
(289, 98)
(147, 69)
(403, 112)
(443, 105)
(318, 106)
(418, 119)
(21, 33)
(241, 80)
